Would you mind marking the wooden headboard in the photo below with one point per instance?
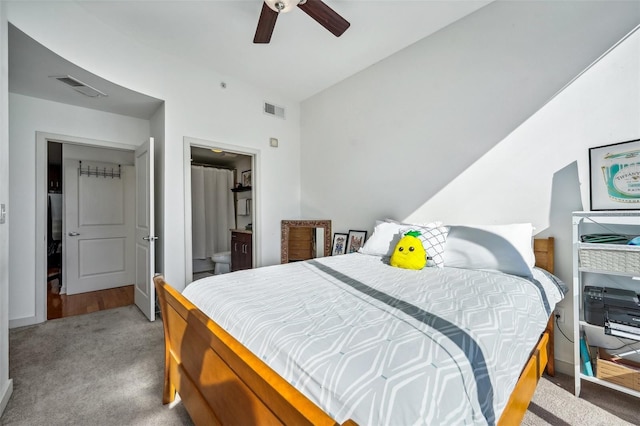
(543, 249)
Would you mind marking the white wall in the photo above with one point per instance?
(448, 130)
(27, 116)
(195, 107)
(550, 154)
(408, 125)
(6, 384)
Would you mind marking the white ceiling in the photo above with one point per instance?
(302, 59)
(31, 66)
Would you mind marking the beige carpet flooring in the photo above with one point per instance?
(554, 404)
(102, 368)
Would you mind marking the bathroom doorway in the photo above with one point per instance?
(219, 210)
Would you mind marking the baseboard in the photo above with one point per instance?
(23, 322)
(7, 390)
(564, 367)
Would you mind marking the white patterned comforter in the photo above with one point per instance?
(382, 345)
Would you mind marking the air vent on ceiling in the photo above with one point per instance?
(274, 110)
(79, 86)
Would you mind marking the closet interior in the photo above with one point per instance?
(54, 216)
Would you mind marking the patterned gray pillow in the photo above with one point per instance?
(433, 240)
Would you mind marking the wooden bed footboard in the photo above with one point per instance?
(526, 386)
(218, 379)
(221, 382)
(542, 355)
(544, 251)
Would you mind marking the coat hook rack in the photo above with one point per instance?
(88, 171)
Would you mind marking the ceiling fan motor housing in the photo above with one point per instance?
(281, 5)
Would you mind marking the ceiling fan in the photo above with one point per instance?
(318, 10)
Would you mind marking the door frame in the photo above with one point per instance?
(42, 138)
(189, 142)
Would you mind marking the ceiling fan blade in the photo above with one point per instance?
(266, 23)
(325, 16)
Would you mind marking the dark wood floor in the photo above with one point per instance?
(61, 305)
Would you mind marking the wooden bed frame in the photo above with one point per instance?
(221, 382)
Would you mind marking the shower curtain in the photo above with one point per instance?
(212, 210)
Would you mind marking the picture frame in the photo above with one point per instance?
(245, 178)
(339, 245)
(355, 240)
(614, 176)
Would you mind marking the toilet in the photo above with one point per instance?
(222, 262)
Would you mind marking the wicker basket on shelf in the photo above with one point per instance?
(618, 370)
(608, 257)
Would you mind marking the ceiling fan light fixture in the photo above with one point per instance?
(282, 6)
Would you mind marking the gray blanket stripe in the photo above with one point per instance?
(561, 286)
(458, 336)
(543, 295)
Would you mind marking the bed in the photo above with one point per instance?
(223, 381)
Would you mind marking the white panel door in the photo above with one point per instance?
(145, 293)
(98, 244)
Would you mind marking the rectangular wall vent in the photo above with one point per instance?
(274, 110)
(70, 81)
(79, 86)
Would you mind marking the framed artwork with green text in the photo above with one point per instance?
(615, 176)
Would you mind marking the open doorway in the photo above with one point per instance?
(85, 185)
(220, 208)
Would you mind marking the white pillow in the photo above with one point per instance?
(386, 235)
(383, 240)
(505, 248)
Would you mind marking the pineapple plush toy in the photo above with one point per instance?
(409, 252)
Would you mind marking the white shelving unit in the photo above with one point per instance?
(604, 265)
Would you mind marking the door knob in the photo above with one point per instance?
(149, 238)
(74, 234)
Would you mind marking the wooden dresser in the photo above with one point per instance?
(241, 250)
